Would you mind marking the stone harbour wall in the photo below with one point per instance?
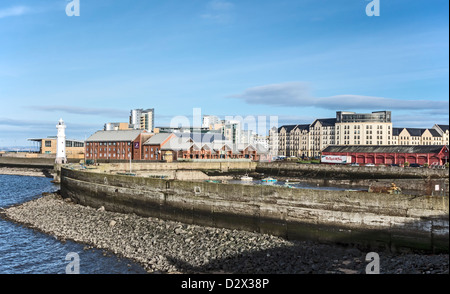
(350, 172)
(372, 220)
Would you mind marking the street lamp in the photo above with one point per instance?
(129, 155)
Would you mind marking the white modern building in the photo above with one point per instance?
(209, 121)
(142, 119)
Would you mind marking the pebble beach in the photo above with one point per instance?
(162, 246)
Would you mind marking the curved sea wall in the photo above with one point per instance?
(371, 220)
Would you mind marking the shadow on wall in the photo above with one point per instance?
(311, 257)
(302, 258)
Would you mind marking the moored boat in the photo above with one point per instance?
(269, 180)
(246, 178)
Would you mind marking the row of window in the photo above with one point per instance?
(105, 155)
(68, 144)
(358, 127)
(88, 150)
(151, 149)
(106, 144)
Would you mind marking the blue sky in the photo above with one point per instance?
(298, 60)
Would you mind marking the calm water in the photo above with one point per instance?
(25, 251)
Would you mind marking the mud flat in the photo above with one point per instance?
(29, 172)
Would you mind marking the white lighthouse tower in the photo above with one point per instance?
(61, 143)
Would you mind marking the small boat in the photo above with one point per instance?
(213, 181)
(269, 180)
(246, 178)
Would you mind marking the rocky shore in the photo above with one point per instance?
(29, 172)
(173, 247)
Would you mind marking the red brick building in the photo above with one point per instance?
(151, 149)
(141, 145)
(115, 145)
(420, 154)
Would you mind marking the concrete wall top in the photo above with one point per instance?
(401, 171)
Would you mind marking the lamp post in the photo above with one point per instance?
(129, 155)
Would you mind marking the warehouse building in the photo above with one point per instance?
(400, 154)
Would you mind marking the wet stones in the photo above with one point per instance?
(172, 247)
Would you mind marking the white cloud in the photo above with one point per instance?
(14, 11)
(82, 110)
(285, 94)
(297, 94)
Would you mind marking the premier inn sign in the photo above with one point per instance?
(335, 159)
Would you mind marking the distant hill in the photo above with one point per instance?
(19, 149)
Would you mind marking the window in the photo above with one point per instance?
(48, 143)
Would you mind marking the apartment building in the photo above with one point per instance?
(322, 134)
(444, 132)
(142, 119)
(210, 121)
(352, 129)
(348, 128)
(273, 142)
(364, 128)
(417, 136)
(117, 126)
(232, 130)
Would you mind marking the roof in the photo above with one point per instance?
(385, 149)
(158, 139)
(415, 132)
(114, 136)
(177, 144)
(396, 131)
(201, 137)
(443, 127)
(290, 128)
(53, 138)
(434, 133)
(303, 127)
(326, 122)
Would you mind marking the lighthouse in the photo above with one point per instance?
(61, 143)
